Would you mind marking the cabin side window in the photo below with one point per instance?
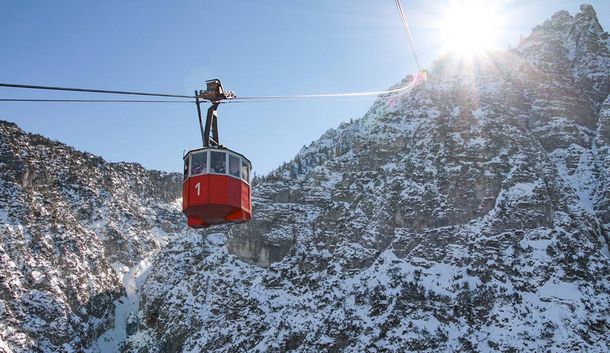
(234, 166)
(186, 168)
(199, 163)
(218, 162)
(245, 171)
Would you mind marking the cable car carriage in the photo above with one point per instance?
(216, 187)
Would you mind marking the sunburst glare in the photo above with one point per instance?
(470, 27)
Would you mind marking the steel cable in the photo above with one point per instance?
(405, 25)
(92, 100)
(416, 80)
(420, 76)
(89, 90)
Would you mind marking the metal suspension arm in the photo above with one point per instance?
(198, 103)
(211, 126)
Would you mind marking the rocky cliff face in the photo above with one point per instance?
(472, 214)
(71, 225)
(467, 215)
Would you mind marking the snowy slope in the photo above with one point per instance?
(67, 221)
(472, 214)
(468, 215)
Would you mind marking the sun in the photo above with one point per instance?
(470, 28)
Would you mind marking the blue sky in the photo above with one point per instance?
(255, 47)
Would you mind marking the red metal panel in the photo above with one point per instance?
(234, 192)
(185, 195)
(215, 199)
(245, 197)
(198, 190)
(237, 216)
(195, 222)
(217, 187)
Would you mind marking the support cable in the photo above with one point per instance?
(314, 100)
(419, 77)
(411, 85)
(293, 98)
(89, 90)
(91, 100)
(405, 24)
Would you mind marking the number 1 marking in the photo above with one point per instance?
(198, 187)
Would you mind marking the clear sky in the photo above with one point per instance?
(263, 47)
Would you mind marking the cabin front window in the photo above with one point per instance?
(234, 166)
(218, 162)
(199, 163)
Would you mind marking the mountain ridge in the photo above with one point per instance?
(71, 223)
(469, 215)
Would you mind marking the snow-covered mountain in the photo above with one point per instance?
(71, 227)
(471, 214)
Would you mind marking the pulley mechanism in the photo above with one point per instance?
(215, 94)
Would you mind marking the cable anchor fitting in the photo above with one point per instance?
(215, 94)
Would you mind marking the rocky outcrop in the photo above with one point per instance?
(468, 215)
(471, 214)
(69, 223)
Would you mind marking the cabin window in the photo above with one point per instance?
(245, 171)
(234, 166)
(218, 162)
(199, 163)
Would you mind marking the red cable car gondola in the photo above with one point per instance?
(216, 188)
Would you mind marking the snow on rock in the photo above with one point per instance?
(66, 217)
(471, 214)
(467, 215)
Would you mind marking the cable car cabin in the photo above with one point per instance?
(216, 188)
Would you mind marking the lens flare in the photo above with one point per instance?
(470, 28)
